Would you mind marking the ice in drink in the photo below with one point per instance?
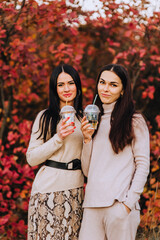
(91, 112)
(68, 111)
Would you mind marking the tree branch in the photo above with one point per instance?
(17, 16)
(135, 78)
(2, 93)
(6, 110)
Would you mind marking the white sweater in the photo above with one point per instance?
(114, 176)
(50, 179)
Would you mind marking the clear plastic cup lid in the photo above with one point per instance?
(91, 108)
(67, 108)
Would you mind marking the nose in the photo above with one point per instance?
(66, 88)
(106, 87)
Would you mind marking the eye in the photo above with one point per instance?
(72, 82)
(114, 85)
(60, 84)
(101, 82)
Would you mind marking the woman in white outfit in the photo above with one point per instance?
(115, 159)
(55, 206)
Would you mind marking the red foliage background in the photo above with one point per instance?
(34, 38)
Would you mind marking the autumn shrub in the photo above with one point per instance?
(15, 183)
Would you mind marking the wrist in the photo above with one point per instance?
(87, 140)
(60, 137)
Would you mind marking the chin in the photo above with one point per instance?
(106, 102)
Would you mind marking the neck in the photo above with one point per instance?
(108, 108)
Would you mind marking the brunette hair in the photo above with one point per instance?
(121, 132)
(51, 116)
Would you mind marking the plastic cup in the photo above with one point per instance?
(68, 111)
(91, 112)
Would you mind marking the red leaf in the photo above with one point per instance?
(158, 120)
(128, 33)
(151, 90)
(9, 194)
(74, 31)
(144, 94)
(61, 46)
(4, 220)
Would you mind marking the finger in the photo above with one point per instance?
(91, 131)
(65, 120)
(66, 130)
(65, 124)
(71, 128)
(83, 119)
(85, 127)
(65, 134)
(69, 125)
(84, 123)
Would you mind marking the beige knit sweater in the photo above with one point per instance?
(115, 176)
(50, 179)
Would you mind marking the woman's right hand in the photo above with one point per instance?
(87, 133)
(65, 129)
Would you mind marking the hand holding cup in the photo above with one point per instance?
(86, 130)
(65, 128)
(68, 111)
(91, 113)
(67, 125)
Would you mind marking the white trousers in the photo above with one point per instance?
(109, 223)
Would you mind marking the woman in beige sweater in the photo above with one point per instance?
(55, 207)
(115, 160)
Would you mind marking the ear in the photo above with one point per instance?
(79, 92)
(122, 92)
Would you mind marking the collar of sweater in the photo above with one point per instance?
(108, 108)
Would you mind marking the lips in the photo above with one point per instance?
(67, 95)
(105, 95)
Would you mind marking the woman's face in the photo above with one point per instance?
(66, 89)
(110, 87)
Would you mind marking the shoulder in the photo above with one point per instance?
(139, 122)
(138, 118)
(37, 118)
(39, 115)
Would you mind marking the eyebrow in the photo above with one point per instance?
(110, 82)
(68, 81)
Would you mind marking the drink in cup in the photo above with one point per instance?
(68, 111)
(91, 112)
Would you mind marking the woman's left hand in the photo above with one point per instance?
(127, 208)
(87, 133)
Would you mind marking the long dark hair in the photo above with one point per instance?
(121, 132)
(51, 116)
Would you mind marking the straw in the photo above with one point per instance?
(95, 99)
(66, 102)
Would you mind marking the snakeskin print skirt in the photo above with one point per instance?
(56, 215)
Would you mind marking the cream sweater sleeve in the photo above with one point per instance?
(38, 151)
(86, 157)
(141, 152)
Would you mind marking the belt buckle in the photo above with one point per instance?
(70, 165)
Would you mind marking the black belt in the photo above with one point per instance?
(75, 164)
